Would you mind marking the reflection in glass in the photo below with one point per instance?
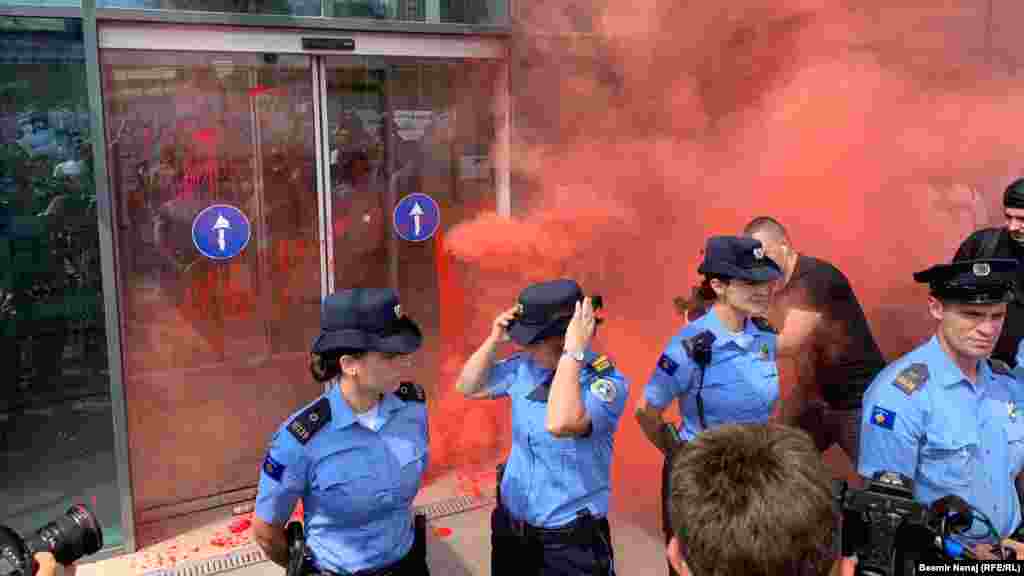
(398, 126)
(216, 346)
(291, 7)
(56, 426)
(456, 11)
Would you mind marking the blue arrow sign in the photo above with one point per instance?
(417, 217)
(220, 232)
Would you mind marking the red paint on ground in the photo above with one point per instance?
(239, 525)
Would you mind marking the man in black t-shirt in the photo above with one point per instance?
(1004, 242)
(825, 349)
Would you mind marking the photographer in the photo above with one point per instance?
(752, 499)
(945, 415)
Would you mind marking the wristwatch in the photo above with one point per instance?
(577, 356)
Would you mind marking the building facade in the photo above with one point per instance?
(146, 360)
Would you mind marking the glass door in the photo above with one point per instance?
(213, 169)
(306, 154)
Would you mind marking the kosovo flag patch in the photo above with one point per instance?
(883, 418)
(273, 468)
(667, 364)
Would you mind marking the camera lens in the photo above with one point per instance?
(69, 537)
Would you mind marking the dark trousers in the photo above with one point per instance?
(414, 563)
(584, 548)
(666, 513)
(828, 426)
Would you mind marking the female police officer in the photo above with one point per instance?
(566, 403)
(356, 454)
(722, 365)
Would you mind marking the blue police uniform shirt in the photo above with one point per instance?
(948, 435)
(357, 485)
(1018, 371)
(741, 383)
(548, 479)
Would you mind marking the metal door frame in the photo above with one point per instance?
(171, 37)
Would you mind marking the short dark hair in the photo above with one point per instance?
(324, 367)
(766, 224)
(1013, 196)
(753, 500)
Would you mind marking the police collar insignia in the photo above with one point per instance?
(911, 378)
(398, 310)
(1011, 410)
(763, 354)
(410, 392)
(981, 269)
(758, 253)
(603, 389)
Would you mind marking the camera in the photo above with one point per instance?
(71, 536)
(890, 532)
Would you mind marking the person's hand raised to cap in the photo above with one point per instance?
(581, 328)
(500, 331)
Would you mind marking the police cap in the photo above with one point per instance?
(984, 281)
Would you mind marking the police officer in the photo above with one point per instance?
(944, 414)
(720, 366)
(356, 454)
(551, 516)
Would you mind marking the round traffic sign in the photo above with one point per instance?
(220, 232)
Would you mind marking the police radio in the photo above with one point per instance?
(699, 348)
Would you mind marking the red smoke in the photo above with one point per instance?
(880, 134)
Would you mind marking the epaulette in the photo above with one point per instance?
(410, 392)
(763, 325)
(911, 378)
(601, 365)
(1000, 367)
(311, 420)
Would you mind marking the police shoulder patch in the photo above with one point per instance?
(883, 418)
(272, 468)
(604, 389)
(311, 420)
(763, 325)
(912, 378)
(667, 364)
(410, 392)
(1000, 367)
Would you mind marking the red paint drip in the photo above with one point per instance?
(240, 525)
(260, 90)
(442, 532)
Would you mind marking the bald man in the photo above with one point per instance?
(824, 340)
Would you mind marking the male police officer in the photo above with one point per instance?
(943, 414)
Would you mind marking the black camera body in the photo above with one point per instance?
(68, 538)
(888, 530)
